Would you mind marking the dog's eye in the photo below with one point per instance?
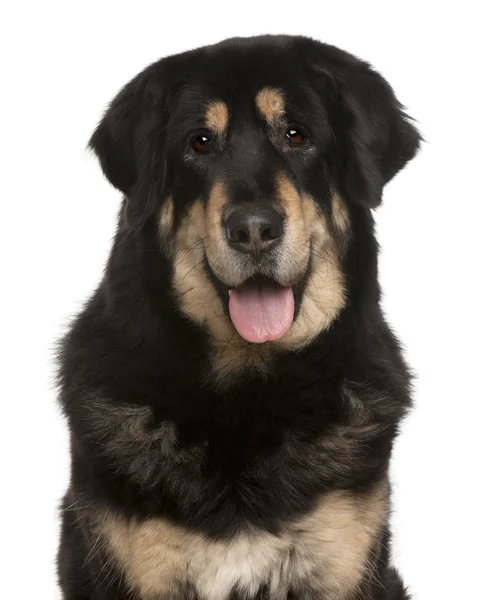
(202, 143)
(294, 136)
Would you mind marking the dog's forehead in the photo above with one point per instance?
(237, 76)
(248, 67)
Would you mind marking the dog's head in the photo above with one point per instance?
(253, 155)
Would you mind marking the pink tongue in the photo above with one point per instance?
(261, 314)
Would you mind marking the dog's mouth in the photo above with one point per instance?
(261, 310)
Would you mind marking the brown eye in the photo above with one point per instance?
(294, 136)
(201, 143)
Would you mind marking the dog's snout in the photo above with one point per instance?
(254, 231)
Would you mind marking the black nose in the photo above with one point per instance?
(254, 230)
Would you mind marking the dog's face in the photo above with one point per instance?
(253, 156)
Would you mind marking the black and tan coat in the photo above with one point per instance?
(204, 466)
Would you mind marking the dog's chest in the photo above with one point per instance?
(160, 562)
(324, 553)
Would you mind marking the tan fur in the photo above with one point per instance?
(324, 295)
(150, 553)
(340, 215)
(328, 548)
(196, 294)
(270, 103)
(336, 538)
(166, 218)
(217, 117)
(218, 253)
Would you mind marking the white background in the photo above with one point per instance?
(61, 62)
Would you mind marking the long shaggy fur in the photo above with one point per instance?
(271, 462)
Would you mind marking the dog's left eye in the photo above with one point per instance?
(294, 136)
(201, 143)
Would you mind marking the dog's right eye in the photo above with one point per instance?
(202, 144)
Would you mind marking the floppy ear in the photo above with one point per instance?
(113, 141)
(121, 138)
(374, 136)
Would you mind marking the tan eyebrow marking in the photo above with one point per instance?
(271, 104)
(217, 116)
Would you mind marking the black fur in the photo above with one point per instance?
(263, 450)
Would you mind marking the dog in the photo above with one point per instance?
(231, 388)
